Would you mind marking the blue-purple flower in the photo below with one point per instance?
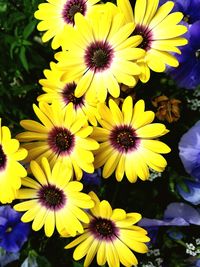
(176, 214)
(189, 151)
(190, 9)
(91, 181)
(192, 194)
(13, 232)
(7, 257)
(187, 74)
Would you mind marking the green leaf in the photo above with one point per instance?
(22, 56)
(12, 48)
(25, 42)
(29, 29)
(76, 264)
(3, 7)
(184, 187)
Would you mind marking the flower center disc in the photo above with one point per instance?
(98, 56)
(3, 159)
(103, 228)
(51, 197)
(68, 95)
(124, 139)
(71, 8)
(61, 141)
(146, 35)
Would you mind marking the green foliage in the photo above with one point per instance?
(23, 58)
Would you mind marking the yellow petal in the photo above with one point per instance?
(155, 146)
(151, 130)
(105, 209)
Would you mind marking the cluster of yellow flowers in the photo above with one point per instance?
(83, 126)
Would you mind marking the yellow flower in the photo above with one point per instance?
(62, 136)
(11, 171)
(111, 235)
(52, 200)
(127, 145)
(101, 55)
(63, 92)
(160, 31)
(57, 18)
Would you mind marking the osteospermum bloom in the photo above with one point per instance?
(111, 234)
(101, 55)
(62, 136)
(53, 200)
(127, 141)
(160, 31)
(57, 17)
(11, 171)
(63, 92)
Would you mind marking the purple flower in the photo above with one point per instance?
(189, 151)
(7, 257)
(190, 9)
(13, 232)
(198, 263)
(92, 181)
(193, 193)
(176, 214)
(187, 74)
(175, 235)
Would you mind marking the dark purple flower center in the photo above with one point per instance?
(103, 228)
(68, 95)
(146, 35)
(124, 138)
(71, 8)
(52, 197)
(3, 159)
(61, 141)
(98, 56)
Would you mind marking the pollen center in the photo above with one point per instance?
(68, 95)
(61, 141)
(124, 139)
(146, 35)
(103, 228)
(51, 197)
(3, 159)
(98, 56)
(71, 8)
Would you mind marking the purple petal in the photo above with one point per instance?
(145, 222)
(184, 211)
(194, 30)
(189, 148)
(193, 196)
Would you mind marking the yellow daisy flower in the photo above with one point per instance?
(111, 235)
(52, 200)
(101, 55)
(62, 136)
(63, 92)
(57, 17)
(160, 31)
(127, 145)
(11, 171)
